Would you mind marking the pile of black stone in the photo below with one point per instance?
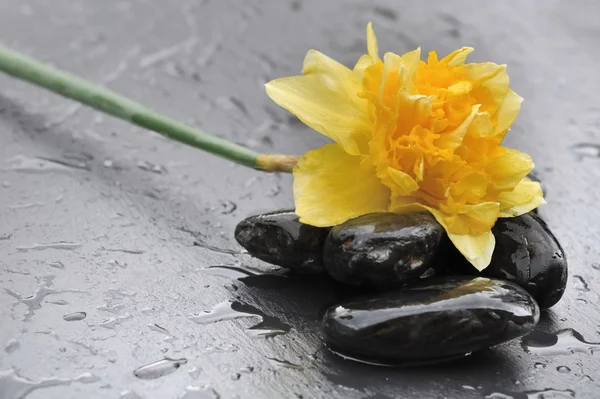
(420, 301)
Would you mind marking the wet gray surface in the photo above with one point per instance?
(100, 217)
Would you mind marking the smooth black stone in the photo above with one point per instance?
(279, 238)
(435, 318)
(526, 253)
(382, 249)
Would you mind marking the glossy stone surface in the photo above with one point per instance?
(382, 249)
(279, 238)
(434, 319)
(528, 254)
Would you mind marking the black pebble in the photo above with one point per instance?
(526, 253)
(436, 319)
(382, 249)
(279, 238)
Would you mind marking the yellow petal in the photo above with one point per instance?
(492, 85)
(331, 186)
(459, 88)
(525, 197)
(508, 111)
(363, 63)
(454, 138)
(407, 205)
(481, 126)
(470, 219)
(458, 57)
(404, 184)
(509, 168)
(477, 249)
(411, 61)
(470, 188)
(399, 73)
(484, 71)
(372, 47)
(325, 100)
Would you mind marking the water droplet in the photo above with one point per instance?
(28, 205)
(195, 392)
(59, 302)
(221, 348)
(498, 395)
(227, 251)
(563, 342)
(55, 245)
(151, 167)
(548, 393)
(539, 366)
(399, 364)
(157, 328)
(14, 386)
(231, 272)
(228, 207)
(111, 309)
(221, 311)
(125, 250)
(22, 163)
(247, 370)
(283, 364)
(586, 150)
(75, 162)
(100, 237)
(114, 321)
(120, 293)
(11, 346)
(580, 284)
(34, 302)
(194, 372)
(75, 316)
(87, 378)
(56, 265)
(563, 369)
(268, 327)
(129, 395)
(114, 262)
(159, 369)
(93, 351)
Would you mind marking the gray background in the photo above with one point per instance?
(205, 62)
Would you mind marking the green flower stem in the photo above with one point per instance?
(102, 99)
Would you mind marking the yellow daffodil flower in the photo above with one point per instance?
(410, 136)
